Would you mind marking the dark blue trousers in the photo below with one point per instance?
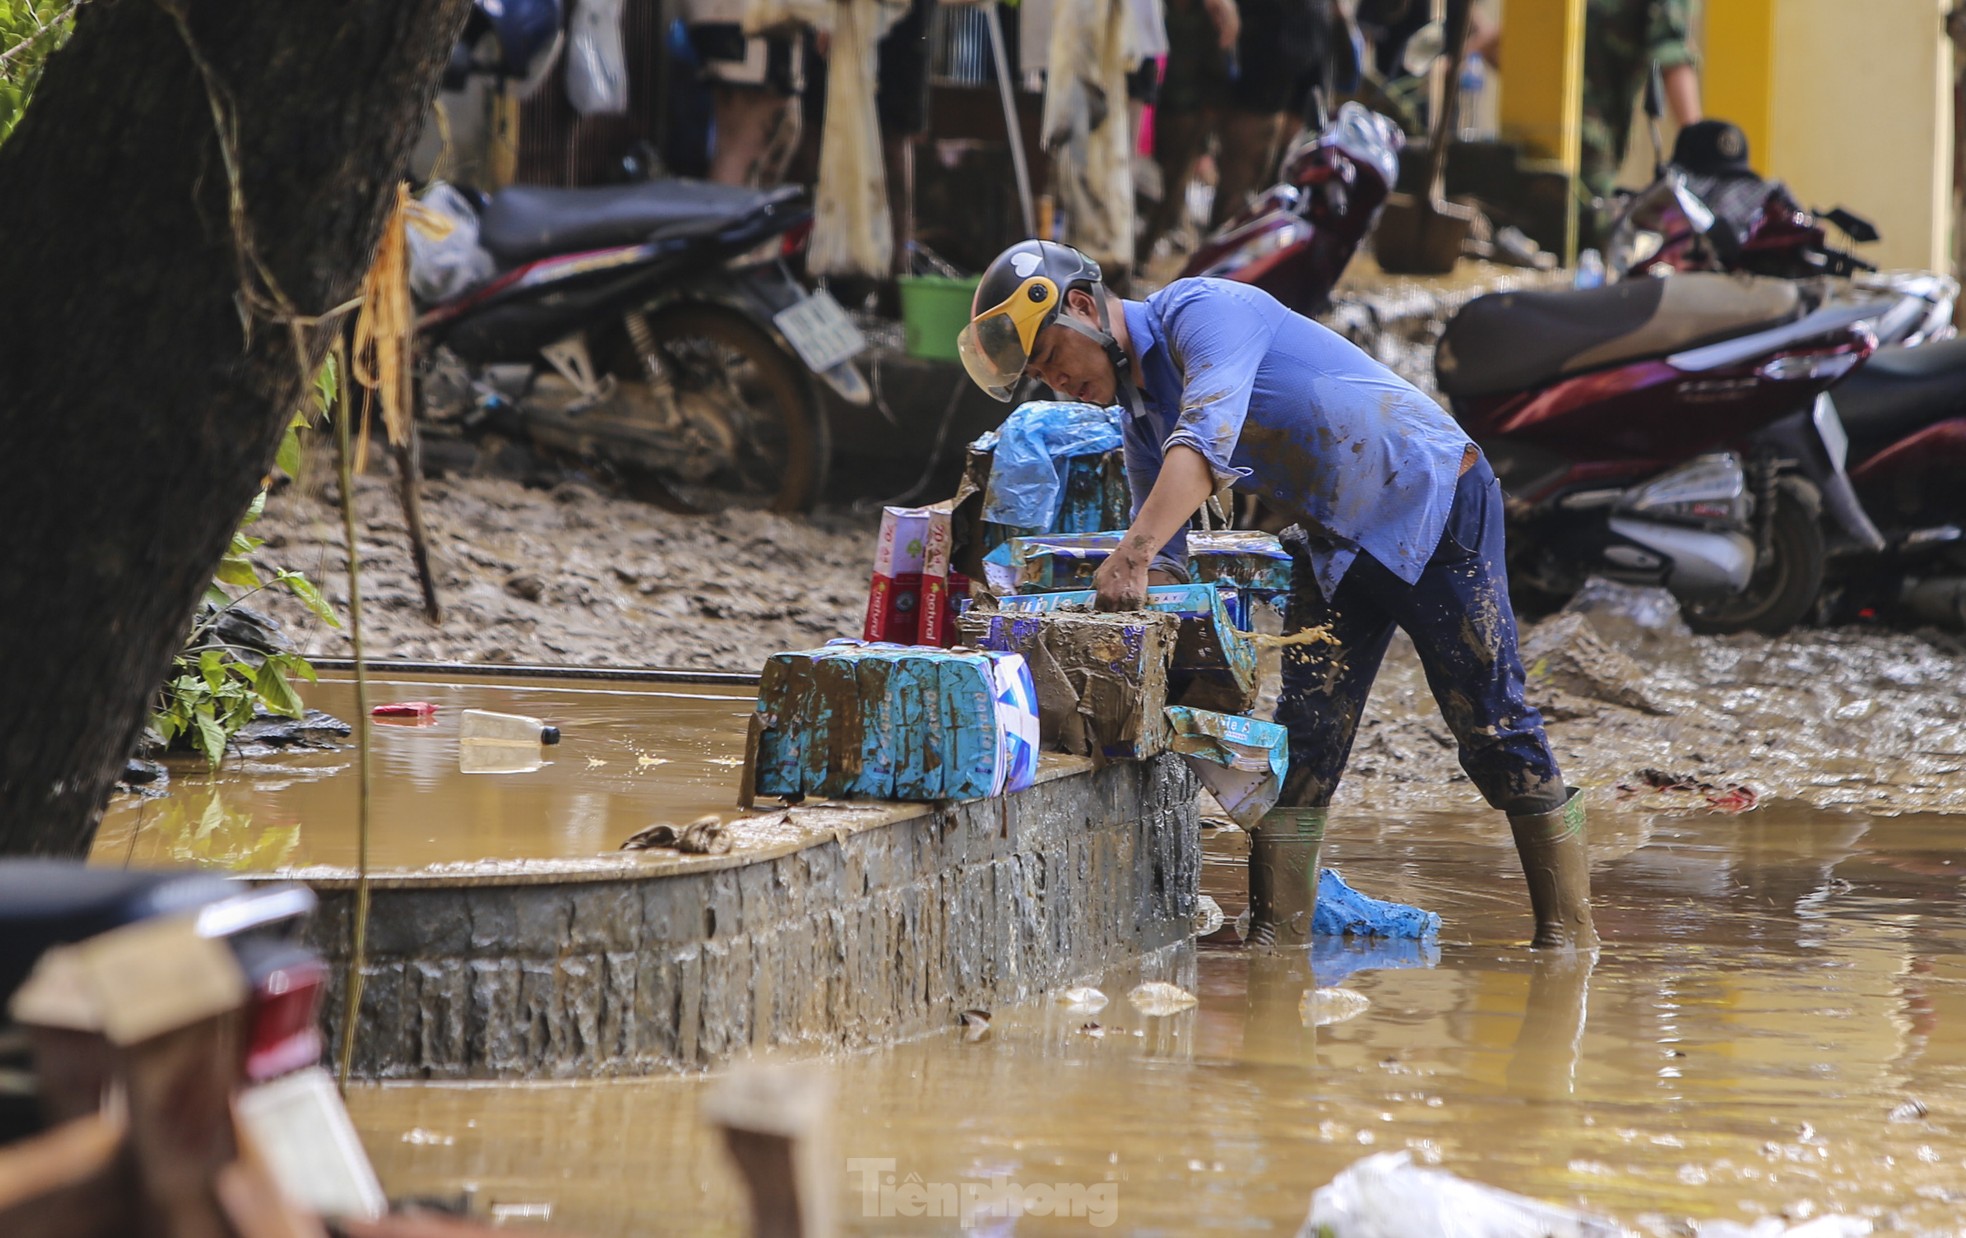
(1459, 618)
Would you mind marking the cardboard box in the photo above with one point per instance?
(887, 721)
(1242, 761)
(894, 594)
(1214, 663)
(1255, 565)
(1100, 680)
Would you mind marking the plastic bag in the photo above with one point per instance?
(445, 258)
(597, 64)
(1387, 1196)
(1028, 470)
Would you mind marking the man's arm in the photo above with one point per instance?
(1184, 484)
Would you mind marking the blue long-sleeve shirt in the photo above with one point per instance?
(1288, 410)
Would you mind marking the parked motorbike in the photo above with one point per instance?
(655, 327)
(1295, 240)
(46, 903)
(1905, 412)
(1666, 432)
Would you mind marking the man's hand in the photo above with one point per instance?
(1121, 582)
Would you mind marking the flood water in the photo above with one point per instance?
(630, 754)
(1774, 986)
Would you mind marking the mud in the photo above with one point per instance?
(572, 575)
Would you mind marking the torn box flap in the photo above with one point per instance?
(1240, 760)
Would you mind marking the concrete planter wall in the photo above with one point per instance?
(832, 925)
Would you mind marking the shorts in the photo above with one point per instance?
(731, 58)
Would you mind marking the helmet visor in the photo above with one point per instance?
(994, 353)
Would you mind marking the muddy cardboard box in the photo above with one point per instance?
(1214, 662)
(1242, 761)
(1254, 565)
(1101, 679)
(891, 722)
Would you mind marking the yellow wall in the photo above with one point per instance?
(1862, 117)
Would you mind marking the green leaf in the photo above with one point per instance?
(211, 665)
(237, 572)
(304, 589)
(325, 385)
(218, 597)
(258, 508)
(293, 664)
(287, 459)
(274, 690)
(209, 737)
(243, 545)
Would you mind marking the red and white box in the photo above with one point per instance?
(894, 600)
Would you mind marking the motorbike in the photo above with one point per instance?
(1296, 239)
(655, 327)
(1670, 432)
(48, 903)
(1905, 412)
(1685, 221)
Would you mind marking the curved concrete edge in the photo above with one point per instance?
(873, 923)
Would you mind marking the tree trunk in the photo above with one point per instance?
(140, 408)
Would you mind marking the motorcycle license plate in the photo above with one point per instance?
(820, 332)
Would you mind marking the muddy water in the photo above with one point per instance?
(630, 755)
(1773, 987)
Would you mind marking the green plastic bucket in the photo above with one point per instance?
(934, 310)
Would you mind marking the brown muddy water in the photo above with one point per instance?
(1773, 1028)
(630, 754)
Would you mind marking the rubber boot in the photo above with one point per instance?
(1558, 867)
(1283, 851)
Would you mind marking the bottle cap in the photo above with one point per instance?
(549, 735)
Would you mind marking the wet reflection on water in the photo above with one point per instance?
(630, 755)
(1773, 988)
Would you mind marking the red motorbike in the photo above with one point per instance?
(1295, 240)
(1666, 432)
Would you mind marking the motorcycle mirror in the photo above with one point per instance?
(1423, 48)
(1854, 226)
(1697, 213)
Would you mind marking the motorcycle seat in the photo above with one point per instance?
(1899, 391)
(47, 903)
(527, 222)
(1510, 341)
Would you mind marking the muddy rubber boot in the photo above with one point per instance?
(1283, 851)
(1558, 866)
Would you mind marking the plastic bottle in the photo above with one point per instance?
(1590, 269)
(482, 724)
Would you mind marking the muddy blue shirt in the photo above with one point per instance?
(1292, 412)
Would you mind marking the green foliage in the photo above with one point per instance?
(215, 687)
(217, 835)
(29, 31)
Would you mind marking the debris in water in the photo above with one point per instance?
(703, 836)
(1911, 1111)
(1157, 997)
(728, 762)
(1386, 1193)
(426, 1138)
(416, 713)
(645, 761)
(1319, 1007)
(1093, 1030)
(595, 762)
(975, 1025)
(1081, 997)
(1732, 798)
(1344, 912)
(522, 1212)
(1208, 916)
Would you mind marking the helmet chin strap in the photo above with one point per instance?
(1124, 391)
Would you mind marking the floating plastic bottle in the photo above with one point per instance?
(492, 743)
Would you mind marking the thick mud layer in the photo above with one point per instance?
(1762, 1036)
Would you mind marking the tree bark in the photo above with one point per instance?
(142, 393)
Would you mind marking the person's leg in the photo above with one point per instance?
(1324, 689)
(1178, 141)
(1248, 152)
(1463, 628)
(746, 118)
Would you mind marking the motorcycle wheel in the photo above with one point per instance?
(1784, 586)
(725, 366)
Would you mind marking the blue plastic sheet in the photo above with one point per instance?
(1333, 959)
(1027, 473)
(1344, 912)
